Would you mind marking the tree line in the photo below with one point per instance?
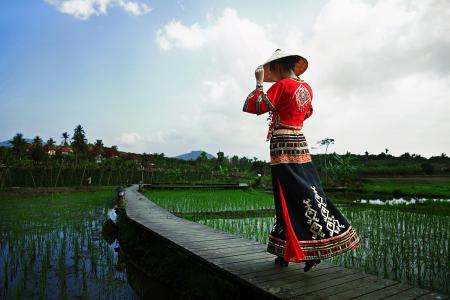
(75, 161)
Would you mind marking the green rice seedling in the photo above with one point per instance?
(5, 278)
(42, 281)
(210, 200)
(76, 255)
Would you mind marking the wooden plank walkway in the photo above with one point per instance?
(248, 262)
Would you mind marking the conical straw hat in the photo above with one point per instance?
(300, 66)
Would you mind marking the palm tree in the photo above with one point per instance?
(19, 145)
(50, 142)
(37, 152)
(65, 137)
(37, 141)
(79, 142)
(99, 144)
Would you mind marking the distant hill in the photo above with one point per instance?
(193, 155)
(8, 143)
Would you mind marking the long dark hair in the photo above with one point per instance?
(287, 63)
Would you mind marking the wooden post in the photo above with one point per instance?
(82, 176)
(59, 172)
(32, 177)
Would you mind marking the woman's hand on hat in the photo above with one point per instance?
(259, 74)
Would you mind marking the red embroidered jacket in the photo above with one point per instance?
(288, 100)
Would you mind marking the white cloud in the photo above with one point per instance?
(360, 44)
(135, 8)
(176, 34)
(153, 141)
(84, 9)
(130, 138)
(378, 69)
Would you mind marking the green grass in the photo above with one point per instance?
(51, 247)
(425, 187)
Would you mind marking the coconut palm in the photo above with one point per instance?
(37, 152)
(50, 142)
(19, 145)
(99, 145)
(65, 137)
(79, 142)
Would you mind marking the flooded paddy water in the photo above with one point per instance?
(51, 247)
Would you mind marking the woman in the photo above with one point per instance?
(307, 227)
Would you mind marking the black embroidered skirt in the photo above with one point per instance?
(307, 224)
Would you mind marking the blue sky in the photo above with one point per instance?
(161, 76)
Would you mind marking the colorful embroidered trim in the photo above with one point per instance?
(268, 103)
(257, 105)
(318, 249)
(288, 147)
(302, 97)
(286, 131)
(245, 108)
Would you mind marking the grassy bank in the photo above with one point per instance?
(426, 186)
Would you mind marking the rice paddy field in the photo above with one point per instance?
(51, 248)
(402, 239)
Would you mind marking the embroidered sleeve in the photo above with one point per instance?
(258, 102)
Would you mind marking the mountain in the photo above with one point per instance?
(193, 155)
(8, 143)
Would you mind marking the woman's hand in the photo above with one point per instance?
(259, 74)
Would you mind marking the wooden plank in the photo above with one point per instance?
(412, 293)
(257, 276)
(323, 273)
(275, 274)
(239, 259)
(195, 237)
(358, 288)
(386, 292)
(256, 247)
(229, 252)
(224, 242)
(313, 286)
(261, 265)
(196, 247)
(186, 241)
(303, 283)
